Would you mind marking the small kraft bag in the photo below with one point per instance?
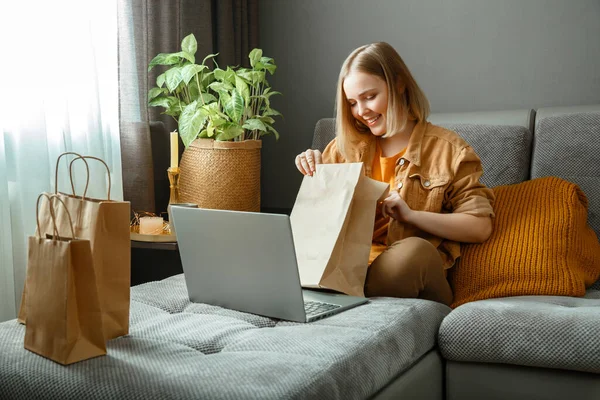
(105, 223)
(332, 224)
(63, 312)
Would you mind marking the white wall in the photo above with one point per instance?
(467, 55)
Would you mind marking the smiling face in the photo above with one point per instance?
(367, 97)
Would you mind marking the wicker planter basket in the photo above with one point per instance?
(221, 175)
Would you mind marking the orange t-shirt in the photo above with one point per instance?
(384, 170)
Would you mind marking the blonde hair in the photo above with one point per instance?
(405, 99)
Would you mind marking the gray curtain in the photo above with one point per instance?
(149, 27)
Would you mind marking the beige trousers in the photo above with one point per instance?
(409, 268)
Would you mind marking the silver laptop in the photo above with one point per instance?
(246, 261)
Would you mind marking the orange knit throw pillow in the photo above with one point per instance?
(541, 245)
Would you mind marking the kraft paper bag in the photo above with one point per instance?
(64, 322)
(105, 223)
(332, 224)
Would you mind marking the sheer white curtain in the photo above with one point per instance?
(58, 92)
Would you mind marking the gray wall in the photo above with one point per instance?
(467, 55)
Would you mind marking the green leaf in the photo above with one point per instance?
(235, 106)
(214, 111)
(269, 94)
(229, 131)
(209, 57)
(218, 121)
(210, 130)
(155, 92)
(223, 90)
(255, 77)
(271, 68)
(272, 130)
(160, 80)
(267, 101)
(191, 121)
(224, 98)
(254, 125)
(194, 91)
(173, 78)
(225, 75)
(159, 102)
(188, 56)
(221, 87)
(273, 112)
(242, 88)
(189, 44)
(259, 66)
(190, 70)
(211, 109)
(254, 56)
(266, 120)
(207, 98)
(219, 74)
(164, 59)
(176, 107)
(203, 133)
(207, 79)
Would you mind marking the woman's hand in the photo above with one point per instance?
(395, 207)
(307, 161)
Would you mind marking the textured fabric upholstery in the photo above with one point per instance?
(538, 331)
(178, 349)
(567, 145)
(324, 133)
(504, 151)
(478, 381)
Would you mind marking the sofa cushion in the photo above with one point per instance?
(538, 331)
(183, 350)
(540, 245)
(567, 145)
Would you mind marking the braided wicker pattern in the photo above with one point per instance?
(221, 175)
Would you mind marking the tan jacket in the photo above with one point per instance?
(439, 172)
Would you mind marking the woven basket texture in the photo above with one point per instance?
(221, 175)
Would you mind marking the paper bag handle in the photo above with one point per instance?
(70, 176)
(88, 173)
(37, 214)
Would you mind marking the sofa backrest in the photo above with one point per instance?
(502, 139)
(567, 144)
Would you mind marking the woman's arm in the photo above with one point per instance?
(460, 227)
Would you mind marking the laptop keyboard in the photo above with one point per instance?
(316, 307)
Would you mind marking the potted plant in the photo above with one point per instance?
(222, 114)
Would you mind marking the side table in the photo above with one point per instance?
(153, 261)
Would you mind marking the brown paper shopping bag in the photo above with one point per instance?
(105, 223)
(332, 223)
(22, 316)
(64, 322)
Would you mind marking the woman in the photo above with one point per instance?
(436, 199)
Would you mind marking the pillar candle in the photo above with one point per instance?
(151, 225)
(174, 149)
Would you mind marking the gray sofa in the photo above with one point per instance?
(526, 347)
(531, 347)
